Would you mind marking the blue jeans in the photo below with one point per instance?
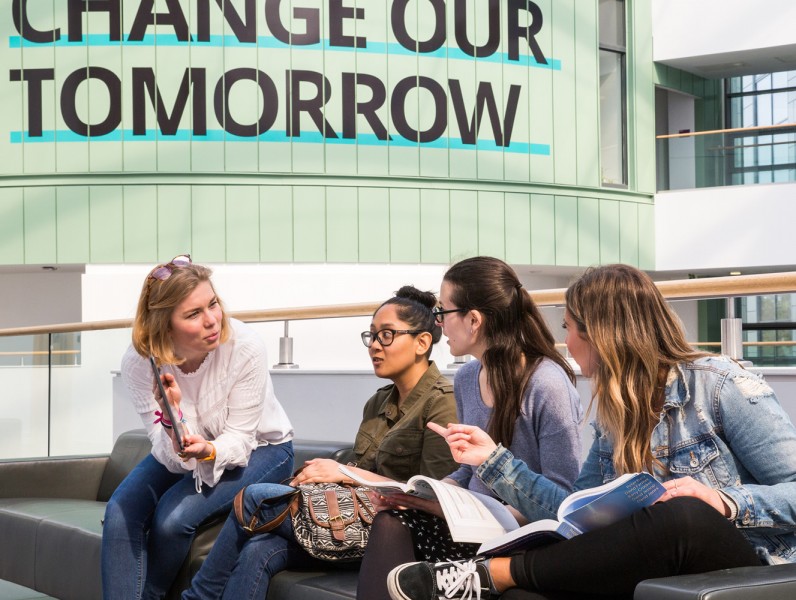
(153, 515)
(240, 567)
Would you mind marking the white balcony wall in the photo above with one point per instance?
(722, 37)
(726, 228)
(38, 297)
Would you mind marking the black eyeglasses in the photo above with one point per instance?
(163, 272)
(439, 313)
(385, 337)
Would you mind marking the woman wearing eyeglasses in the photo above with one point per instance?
(215, 376)
(393, 442)
(519, 388)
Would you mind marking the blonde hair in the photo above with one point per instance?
(635, 334)
(156, 304)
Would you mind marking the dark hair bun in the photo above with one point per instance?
(410, 292)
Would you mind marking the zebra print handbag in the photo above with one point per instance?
(331, 521)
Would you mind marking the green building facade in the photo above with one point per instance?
(356, 131)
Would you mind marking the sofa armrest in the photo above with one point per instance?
(743, 583)
(70, 477)
(130, 448)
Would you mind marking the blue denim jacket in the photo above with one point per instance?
(721, 425)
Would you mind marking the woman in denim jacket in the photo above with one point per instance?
(713, 433)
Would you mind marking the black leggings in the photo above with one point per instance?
(390, 544)
(681, 536)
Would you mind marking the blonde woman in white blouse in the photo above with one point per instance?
(215, 375)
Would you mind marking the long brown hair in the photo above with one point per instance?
(152, 324)
(636, 336)
(515, 332)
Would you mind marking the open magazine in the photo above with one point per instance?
(471, 517)
(580, 512)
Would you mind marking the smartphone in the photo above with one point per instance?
(175, 423)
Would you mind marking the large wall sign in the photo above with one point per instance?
(434, 73)
(375, 131)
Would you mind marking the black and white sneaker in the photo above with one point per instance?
(466, 579)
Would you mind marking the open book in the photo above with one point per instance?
(580, 512)
(471, 517)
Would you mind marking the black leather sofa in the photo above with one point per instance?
(50, 512)
(50, 519)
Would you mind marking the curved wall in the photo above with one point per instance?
(317, 131)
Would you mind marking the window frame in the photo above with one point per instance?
(621, 51)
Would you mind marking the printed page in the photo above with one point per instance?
(469, 519)
(627, 496)
(581, 498)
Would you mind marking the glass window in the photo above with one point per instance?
(612, 147)
(764, 156)
(612, 23)
(769, 323)
(763, 100)
(613, 112)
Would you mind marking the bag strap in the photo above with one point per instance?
(366, 511)
(251, 527)
(335, 518)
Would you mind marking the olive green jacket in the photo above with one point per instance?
(395, 442)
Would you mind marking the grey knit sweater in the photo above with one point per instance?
(546, 435)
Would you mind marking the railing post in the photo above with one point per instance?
(286, 351)
(732, 332)
(458, 361)
(49, 393)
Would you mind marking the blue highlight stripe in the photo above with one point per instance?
(219, 135)
(266, 41)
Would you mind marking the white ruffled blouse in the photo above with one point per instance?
(229, 400)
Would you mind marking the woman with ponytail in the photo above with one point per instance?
(519, 388)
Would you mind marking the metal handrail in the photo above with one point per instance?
(41, 353)
(680, 289)
(24, 353)
(763, 128)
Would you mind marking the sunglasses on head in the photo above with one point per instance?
(163, 272)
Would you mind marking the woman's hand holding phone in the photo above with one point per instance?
(173, 397)
(168, 396)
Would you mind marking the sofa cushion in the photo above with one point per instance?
(334, 584)
(18, 550)
(56, 545)
(12, 591)
(773, 582)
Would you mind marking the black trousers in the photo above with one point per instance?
(678, 537)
